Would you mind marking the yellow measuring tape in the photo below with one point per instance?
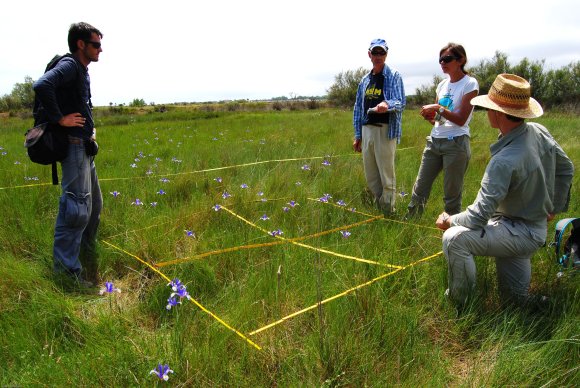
(349, 291)
(283, 240)
(193, 172)
(225, 250)
(252, 246)
(225, 167)
(308, 246)
(191, 298)
(19, 187)
(370, 215)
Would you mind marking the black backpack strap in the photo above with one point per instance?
(54, 174)
(36, 110)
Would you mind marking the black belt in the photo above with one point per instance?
(75, 140)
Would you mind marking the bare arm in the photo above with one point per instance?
(458, 116)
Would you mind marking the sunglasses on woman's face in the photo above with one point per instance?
(447, 58)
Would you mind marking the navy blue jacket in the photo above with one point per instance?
(63, 90)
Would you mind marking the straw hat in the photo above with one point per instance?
(511, 95)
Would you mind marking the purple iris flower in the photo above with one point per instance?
(172, 302)
(293, 203)
(325, 198)
(326, 163)
(264, 217)
(244, 186)
(179, 289)
(275, 233)
(345, 233)
(162, 371)
(133, 165)
(109, 288)
(137, 202)
(181, 292)
(286, 209)
(190, 233)
(218, 179)
(164, 180)
(175, 284)
(216, 207)
(115, 193)
(306, 167)
(153, 204)
(226, 195)
(161, 192)
(340, 202)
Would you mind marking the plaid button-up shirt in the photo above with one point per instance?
(394, 93)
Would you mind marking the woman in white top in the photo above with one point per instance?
(447, 147)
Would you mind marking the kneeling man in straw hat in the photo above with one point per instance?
(526, 182)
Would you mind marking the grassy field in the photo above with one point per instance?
(308, 307)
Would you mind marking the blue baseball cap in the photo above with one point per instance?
(379, 43)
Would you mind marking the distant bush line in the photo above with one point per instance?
(555, 88)
(124, 113)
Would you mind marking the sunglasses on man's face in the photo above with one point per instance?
(379, 53)
(447, 58)
(96, 45)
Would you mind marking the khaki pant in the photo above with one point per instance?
(378, 153)
(510, 242)
(450, 155)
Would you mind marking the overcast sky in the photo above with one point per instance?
(193, 51)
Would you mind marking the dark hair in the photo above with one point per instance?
(513, 118)
(82, 31)
(458, 51)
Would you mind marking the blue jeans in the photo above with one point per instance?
(79, 210)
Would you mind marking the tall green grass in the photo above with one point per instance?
(397, 330)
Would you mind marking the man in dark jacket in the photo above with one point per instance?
(65, 100)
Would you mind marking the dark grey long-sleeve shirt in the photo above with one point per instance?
(528, 177)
